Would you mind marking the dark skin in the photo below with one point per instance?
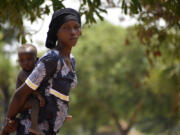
(67, 35)
(19, 99)
(27, 61)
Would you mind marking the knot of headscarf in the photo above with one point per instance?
(58, 19)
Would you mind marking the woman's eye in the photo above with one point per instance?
(76, 27)
(66, 28)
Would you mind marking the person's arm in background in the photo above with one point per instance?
(18, 100)
(44, 68)
(19, 96)
(40, 98)
(13, 124)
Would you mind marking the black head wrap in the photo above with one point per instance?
(58, 19)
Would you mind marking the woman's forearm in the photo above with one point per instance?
(18, 100)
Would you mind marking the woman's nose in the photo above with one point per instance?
(73, 31)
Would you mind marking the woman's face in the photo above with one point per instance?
(69, 33)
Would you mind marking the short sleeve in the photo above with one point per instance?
(45, 69)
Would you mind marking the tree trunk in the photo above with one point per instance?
(175, 107)
(93, 127)
(122, 130)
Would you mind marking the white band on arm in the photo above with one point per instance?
(31, 84)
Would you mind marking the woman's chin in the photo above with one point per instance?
(73, 43)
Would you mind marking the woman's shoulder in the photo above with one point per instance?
(50, 55)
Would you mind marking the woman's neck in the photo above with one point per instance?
(64, 50)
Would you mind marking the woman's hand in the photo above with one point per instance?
(10, 126)
(68, 117)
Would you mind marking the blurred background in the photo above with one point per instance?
(127, 61)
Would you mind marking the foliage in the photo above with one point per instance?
(110, 74)
(148, 13)
(7, 80)
(163, 88)
(13, 13)
(113, 65)
(115, 78)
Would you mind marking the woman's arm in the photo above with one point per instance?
(44, 69)
(18, 100)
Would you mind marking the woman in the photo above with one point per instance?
(53, 76)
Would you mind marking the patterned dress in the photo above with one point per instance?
(54, 80)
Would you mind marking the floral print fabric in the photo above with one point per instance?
(50, 72)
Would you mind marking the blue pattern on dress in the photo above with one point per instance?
(50, 72)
